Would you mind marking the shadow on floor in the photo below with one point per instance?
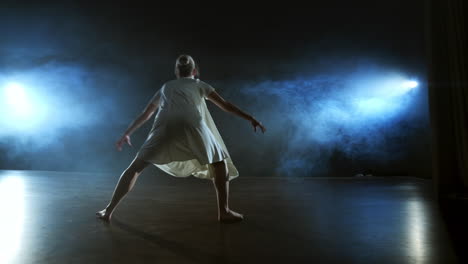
(189, 252)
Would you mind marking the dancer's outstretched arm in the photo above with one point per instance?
(139, 120)
(231, 108)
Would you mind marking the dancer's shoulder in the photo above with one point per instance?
(202, 82)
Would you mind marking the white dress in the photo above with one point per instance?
(184, 139)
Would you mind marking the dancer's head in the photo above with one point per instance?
(185, 66)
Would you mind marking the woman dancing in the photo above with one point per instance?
(184, 139)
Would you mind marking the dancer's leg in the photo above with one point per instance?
(126, 182)
(221, 185)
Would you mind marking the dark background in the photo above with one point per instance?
(95, 66)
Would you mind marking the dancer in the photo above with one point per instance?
(184, 139)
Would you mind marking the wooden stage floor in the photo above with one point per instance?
(49, 217)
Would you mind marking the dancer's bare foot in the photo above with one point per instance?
(230, 217)
(103, 215)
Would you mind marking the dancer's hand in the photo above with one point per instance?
(256, 123)
(122, 140)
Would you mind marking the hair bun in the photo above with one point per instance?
(184, 60)
(185, 65)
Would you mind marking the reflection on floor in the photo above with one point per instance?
(48, 217)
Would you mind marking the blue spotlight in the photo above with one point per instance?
(382, 97)
(17, 100)
(407, 86)
(21, 110)
(410, 84)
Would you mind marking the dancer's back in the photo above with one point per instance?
(180, 101)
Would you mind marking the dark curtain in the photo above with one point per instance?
(448, 94)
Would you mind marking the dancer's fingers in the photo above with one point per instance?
(119, 145)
